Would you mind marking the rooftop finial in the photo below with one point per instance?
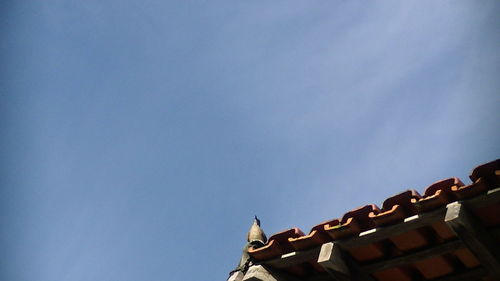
(256, 233)
(255, 239)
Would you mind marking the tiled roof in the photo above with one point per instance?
(406, 239)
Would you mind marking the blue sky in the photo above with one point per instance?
(139, 138)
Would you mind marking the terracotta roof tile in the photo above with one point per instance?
(443, 231)
(471, 190)
(278, 244)
(316, 236)
(466, 258)
(412, 239)
(353, 222)
(437, 194)
(434, 267)
(397, 210)
(394, 274)
(484, 177)
(489, 215)
(490, 172)
(372, 251)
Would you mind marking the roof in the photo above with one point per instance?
(450, 231)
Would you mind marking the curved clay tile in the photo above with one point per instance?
(442, 185)
(490, 172)
(316, 237)
(353, 222)
(278, 244)
(396, 208)
(437, 194)
(471, 190)
(484, 177)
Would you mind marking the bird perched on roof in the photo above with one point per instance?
(256, 233)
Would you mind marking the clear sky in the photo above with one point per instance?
(139, 138)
